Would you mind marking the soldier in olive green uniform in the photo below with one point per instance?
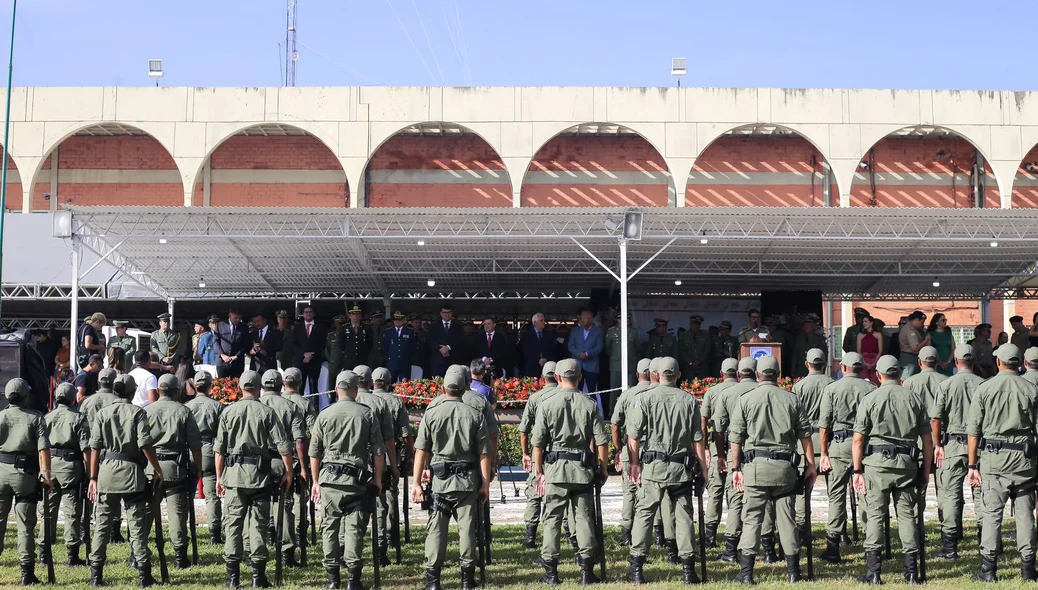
(804, 342)
(292, 420)
(661, 343)
(24, 459)
(378, 330)
(285, 356)
(244, 478)
(345, 438)
(725, 346)
(614, 348)
(124, 341)
(292, 381)
(839, 409)
(668, 458)
(166, 342)
(766, 426)
(389, 500)
(357, 341)
(925, 382)
(453, 442)
(694, 350)
(1001, 427)
(619, 431)
(334, 347)
(103, 396)
(850, 338)
(729, 372)
(1031, 361)
(948, 416)
(809, 392)
(532, 515)
(71, 444)
(206, 411)
(890, 422)
(567, 427)
(387, 420)
(121, 443)
(721, 410)
(178, 447)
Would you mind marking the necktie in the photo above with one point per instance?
(232, 331)
(490, 338)
(308, 327)
(538, 335)
(446, 326)
(398, 332)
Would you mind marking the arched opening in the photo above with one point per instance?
(436, 164)
(597, 165)
(1025, 183)
(13, 200)
(924, 166)
(761, 166)
(108, 164)
(272, 165)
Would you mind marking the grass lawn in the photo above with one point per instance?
(512, 566)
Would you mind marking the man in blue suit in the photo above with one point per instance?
(398, 347)
(585, 345)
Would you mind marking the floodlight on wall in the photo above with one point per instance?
(1031, 167)
(61, 224)
(678, 68)
(633, 225)
(863, 166)
(155, 69)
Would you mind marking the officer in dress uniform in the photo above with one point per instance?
(623, 458)
(754, 329)
(124, 341)
(715, 484)
(532, 516)
(809, 393)
(206, 412)
(24, 459)
(178, 447)
(1001, 427)
(347, 456)
(567, 427)
(661, 343)
(421, 358)
(890, 422)
(288, 343)
(839, 409)
(389, 499)
(244, 478)
(850, 339)
(70, 442)
(694, 350)
(293, 421)
(453, 442)
(399, 345)
(768, 424)
(165, 341)
(335, 346)
(358, 340)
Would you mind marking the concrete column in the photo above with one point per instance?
(207, 183)
(1008, 311)
(846, 315)
(53, 205)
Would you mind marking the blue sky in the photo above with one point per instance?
(952, 44)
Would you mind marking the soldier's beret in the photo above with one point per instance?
(816, 355)
(249, 380)
(168, 382)
(272, 379)
(1008, 353)
(643, 365)
(853, 360)
(548, 369)
(747, 364)
(381, 375)
(203, 378)
(964, 352)
(696, 318)
(729, 366)
(164, 316)
(1015, 319)
(768, 365)
(399, 315)
(363, 371)
(668, 366)
(281, 313)
(106, 377)
(347, 380)
(339, 318)
(292, 375)
(568, 368)
(354, 309)
(888, 365)
(725, 324)
(1031, 354)
(928, 353)
(660, 321)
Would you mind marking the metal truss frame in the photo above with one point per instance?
(45, 292)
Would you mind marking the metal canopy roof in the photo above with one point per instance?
(534, 252)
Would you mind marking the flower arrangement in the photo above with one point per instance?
(510, 392)
(515, 391)
(225, 390)
(698, 387)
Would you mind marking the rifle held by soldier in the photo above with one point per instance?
(160, 544)
(49, 525)
(279, 531)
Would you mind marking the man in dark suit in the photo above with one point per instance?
(266, 344)
(232, 342)
(309, 348)
(399, 344)
(446, 343)
(537, 346)
(495, 349)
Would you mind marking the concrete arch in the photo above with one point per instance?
(544, 136)
(488, 135)
(1023, 179)
(874, 135)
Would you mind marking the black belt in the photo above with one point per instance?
(444, 470)
(748, 456)
(19, 460)
(841, 435)
(209, 439)
(653, 456)
(891, 451)
(256, 460)
(66, 454)
(992, 445)
(344, 469)
(114, 456)
(584, 458)
(815, 430)
(170, 455)
(958, 437)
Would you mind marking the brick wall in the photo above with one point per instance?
(959, 313)
(14, 189)
(1025, 185)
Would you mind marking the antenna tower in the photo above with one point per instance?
(291, 55)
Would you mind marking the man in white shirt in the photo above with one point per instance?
(147, 385)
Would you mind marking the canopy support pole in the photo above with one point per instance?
(74, 319)
(169, 309)
(102, 258)
(624, 327)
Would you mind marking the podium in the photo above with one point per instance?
(758, 349)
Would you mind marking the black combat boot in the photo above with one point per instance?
(97, 576)
(770, 556)
(660, 539)
(949, 547)
(845, 539)
(29, 574)
(873, 565)
(912, 569)
(259, 576)
(383, 555)
(117, 534)
(832, 550)
(711, 535)
(634, 574)
(468, 577)
(730, 553)
(290, 558)
(1027, 572)
(530, 540)
(133, 560)
(214, 535)
(551, 572)
(988, 570)
(573, 542)
(625, 537)
(688, 571)
(146, 579)
(432, 578)
(587, 571)
(352, 578)
(672, 552)
(745, 575)
(793, 568)
(233, 575)
(180, 560)
(73, 556)
(334, 581)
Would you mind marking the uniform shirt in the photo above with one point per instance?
(666, 345)
(924, 384)
(748, 333)
(710, 398)
(985, 356)
(68, 430)
(892, 415)
(288, 349)
(850, 339)
(309, 413)
(346, 432)
(909, 338)
(568, 422)
(386, 421)
(801, 345)
(206, 411)
(809, 393)
(530, 411)
(127, 343)
(249, 428)
(768, 418)
(694, 346)
(173, 430)
(838, 409)
(1005, 407)
(1031, 375)
(621, 412)
(476, 402)
(94, 403)
(454, 431)
(291, 418)
(123, 428)
(397, 412)
(165, 343)
(22, 431)
(612, 345)
(206, 348)
(666, 419)
(723, 407)
(951, 406)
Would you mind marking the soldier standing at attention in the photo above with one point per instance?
(532, 516)
(850, 339)
(121, 443)
(399, 345)
(694, 350)
(567, 427)
(288, 343)
(614, 348)
(454, 444)
(807, 340)
(948, 417)
(725, 346)
(623, 458)
(839, 409)
(661, 343)
(24, 460)
(911, 340)
(375, 358)
(716, 478)
(346, 436)
(292, 381)
(404, 439)
(925, 382)
(335, 346)
(70, 440)
(387, 421)
(1031, 360)
(294, 423)
(358, 340)
(178, 448)
(244, 479)
(809, 393)
(668, 457)
(722, 410)
(165, 341)
(890, 422)
(206, 412)
(124, 341)
(1001, 427)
